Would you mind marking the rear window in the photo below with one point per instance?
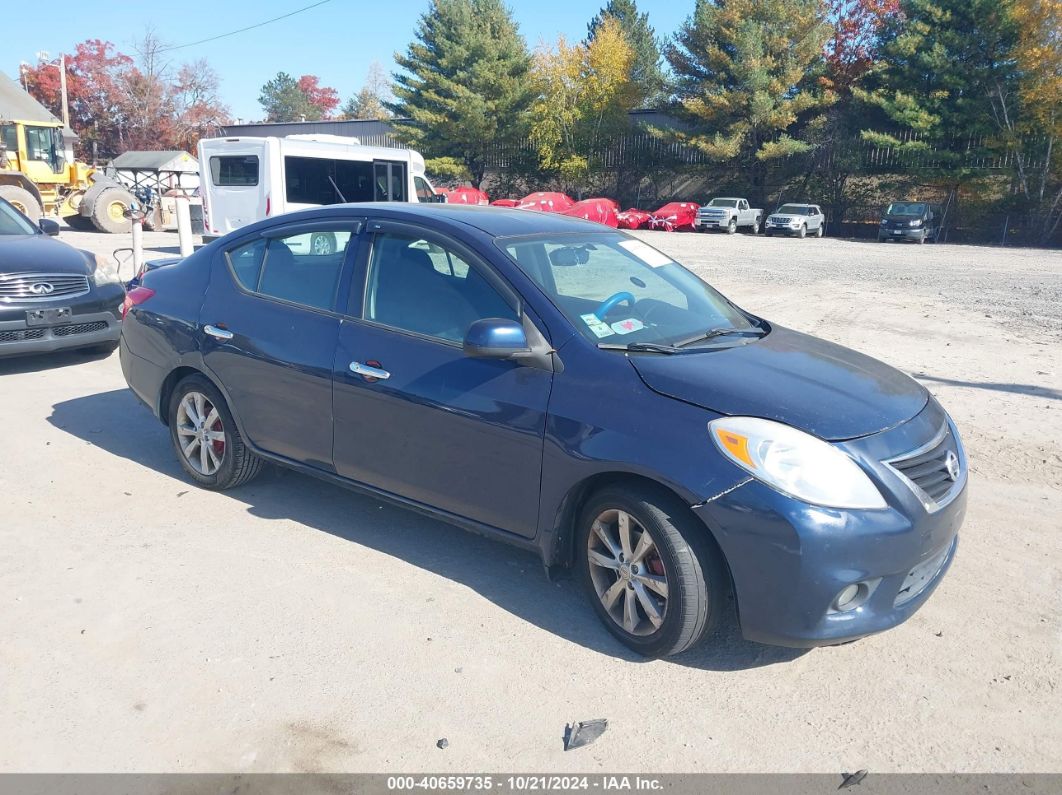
(234, 170)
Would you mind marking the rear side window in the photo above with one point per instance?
(234, 170)
(303, 268)
(315, 180)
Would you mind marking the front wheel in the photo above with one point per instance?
(205, 437)
(652, 572)
(803, 231)
(731, 227)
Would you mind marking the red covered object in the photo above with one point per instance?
(604, 211)
(674, 216)
(464, 195)
(632, 218)
(546, 202)
(505, 203)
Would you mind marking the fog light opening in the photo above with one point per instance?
(851, 597)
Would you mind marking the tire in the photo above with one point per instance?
(322, 243)
(107, 212)
(235, 463)
(756, 227)
(731, 227)
(684, 557)
(803, 231)
(23, 201)
(820, 231)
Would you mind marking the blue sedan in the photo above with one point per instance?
(569, 389)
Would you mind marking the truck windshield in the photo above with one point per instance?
(906, 208)
(723, 203)
(615, 289)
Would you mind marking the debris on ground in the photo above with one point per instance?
(852, 779)
(576, 735)
(443, 743)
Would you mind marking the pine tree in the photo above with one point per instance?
(283, 100)
(742, 72)
(464, 86)
(646, 71)
(941, 60)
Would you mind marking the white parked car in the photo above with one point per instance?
(796, 219)
(728, 214)
(246, 179)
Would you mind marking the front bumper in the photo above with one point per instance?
(781, 229)
(710, 223)
(93, 320)
(790, 560)
(908, 233)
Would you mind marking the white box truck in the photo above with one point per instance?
(245, 179)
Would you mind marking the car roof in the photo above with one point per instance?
(494, 221)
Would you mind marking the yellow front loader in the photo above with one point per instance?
(37, 179)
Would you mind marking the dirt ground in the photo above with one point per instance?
(293, 626)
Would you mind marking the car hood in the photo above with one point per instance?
(22, 253)
(816, 386)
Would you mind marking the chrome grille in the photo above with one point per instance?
(19, 335)
(78, 328)
(936, 471)
(29, 287)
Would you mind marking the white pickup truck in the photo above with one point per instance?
(729, 214)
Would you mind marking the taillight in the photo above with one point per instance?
(135, 297)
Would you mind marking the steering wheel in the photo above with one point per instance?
(616, 298)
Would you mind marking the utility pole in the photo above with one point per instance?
(62, 89)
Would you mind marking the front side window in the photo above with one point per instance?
(303, 268)
(13, 223)
(424, 191)
(421, 286)
(615, 289)
(234, 170)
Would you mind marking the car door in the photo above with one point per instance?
(427, 422)
(269, 329)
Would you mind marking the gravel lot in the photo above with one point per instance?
(293, 626)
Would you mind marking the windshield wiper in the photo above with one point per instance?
(711, 334)
(639, 347)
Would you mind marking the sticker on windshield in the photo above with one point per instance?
(597, 325)
(647, 254)
(627, 326)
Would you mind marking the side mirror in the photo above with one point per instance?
(49, 227)
(495, 338)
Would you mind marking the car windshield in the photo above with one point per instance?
(723, 203)
(906, 208)
(795, 209)
(13, 223)
(618, 290)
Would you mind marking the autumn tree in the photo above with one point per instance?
(463, 88)
(585, 95)
(368, 103)
(286, 99)
(647, 65)
(854, 44)
(741, 69)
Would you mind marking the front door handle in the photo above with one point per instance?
(218, 333)
(370, 372)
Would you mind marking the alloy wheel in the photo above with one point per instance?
(200, 433)
(627, 572)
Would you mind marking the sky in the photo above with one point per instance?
(336, 41)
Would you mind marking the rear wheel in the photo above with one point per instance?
(205, 437)
(323, 243)
(22, 200)
(756, 227)
(820, 231)
(652, 573)
(108, 212)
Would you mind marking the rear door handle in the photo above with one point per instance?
(375, 373)
(218, 333)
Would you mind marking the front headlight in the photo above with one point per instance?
(795, 463)
(915, 222)
(104, 273)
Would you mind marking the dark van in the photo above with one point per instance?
(913, 221)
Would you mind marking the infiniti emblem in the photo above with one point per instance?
(951, 463)
(42, 288)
